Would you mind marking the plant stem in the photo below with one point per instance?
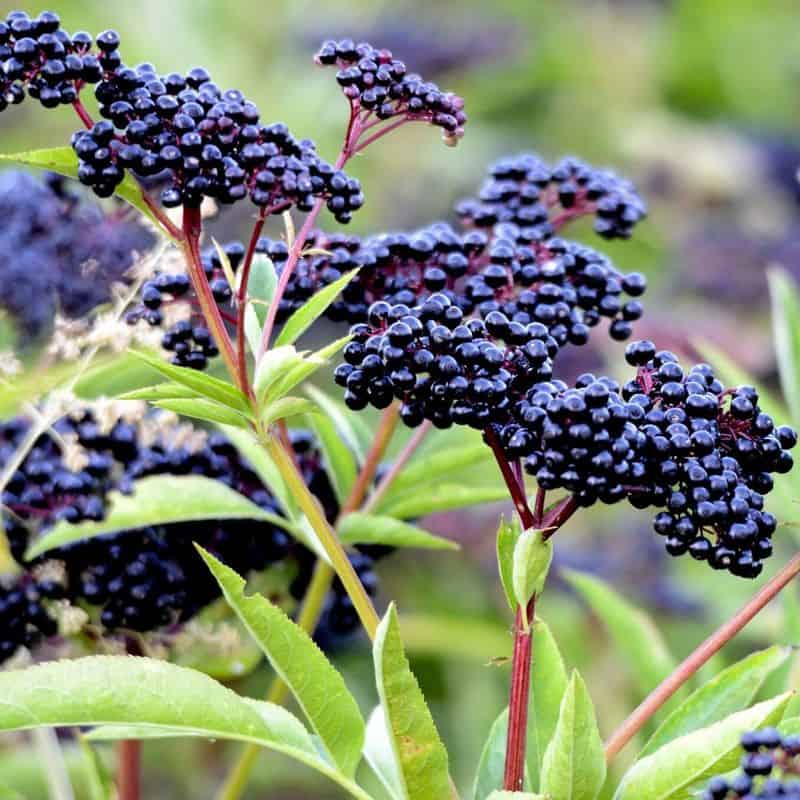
(129, 754)
(325, 533)
(664, 691)
(516, 741)
(191, 247)
(515, 489)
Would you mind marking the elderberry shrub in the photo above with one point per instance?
(59, 252)
(39, 58)
(670, 438)
(146, 578)
(770, 767)
(373, 80)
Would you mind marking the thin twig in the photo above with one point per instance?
(667, 688)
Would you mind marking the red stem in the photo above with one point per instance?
(379, 134)
(81, 111)
(515, 489)
(129, 754)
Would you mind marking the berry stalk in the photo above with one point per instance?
(686, 669)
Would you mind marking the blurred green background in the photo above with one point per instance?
(698, 101)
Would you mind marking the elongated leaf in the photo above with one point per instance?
(98, 781)
(507, 535)
(491, 766)
(677, 770)
(316, 685)
(419, 751)
(531, 563)
(548, 688)
(358, 528)
(261, 285)
(312, 310)
(574, 766)
(380, 756)
(338, 456)
(352, 428)
(124, 691)
(442, 497)
(205, 410)
(275, 363)
(250, 448)
(161, 391)
(731, 690)
(64, 161)
(635, 635)
(287, 407)
(786, 330)
(161, 500)
(206, 385)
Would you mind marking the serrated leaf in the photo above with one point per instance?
(786, 332)
(358, 528)
(491, 766)
(64, 161)
(205, 410)
(312, 310)
(679, 769)
(200, 382)
(287, 407)
(419, 752)
(149, 694)
(507, 535)
(442, 497)
(531, 563)
(316, 685)
(161, 391)
(731, 690)
(337, 455)
(161, 500)
(574, 765)
(352, 428)
(636, 637)
(379, 755)
(548, 687)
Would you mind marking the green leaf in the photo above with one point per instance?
(356, 434)
(679, 769)
(574, 765)
(205, 410)
(548, 688)
(441, 497)
(380, 756)
(287, 407)
(313, 309)
(358, 528)
(152, 696)
(161, 500)
(491, 767)
(98, 781)
(316, 685)
(261, 285)
(161, 391)
(731, 690)
(507, 535)
(786, 331)
(206, 385)
(274, 364)
(418, 750)
(637, 639)
(338, 457)
(531, 563)
(64, 161)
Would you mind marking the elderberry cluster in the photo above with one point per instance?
(527, 191)
(146, 578)
(770, 767)
(671, 438)
(442, 366)
(38, 57)
(376, 82)
(58, 251)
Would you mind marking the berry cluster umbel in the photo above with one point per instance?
(671, 438)
(147, 578)
(375, 82)
(39, 58)
(59, 252)
(770, 768)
